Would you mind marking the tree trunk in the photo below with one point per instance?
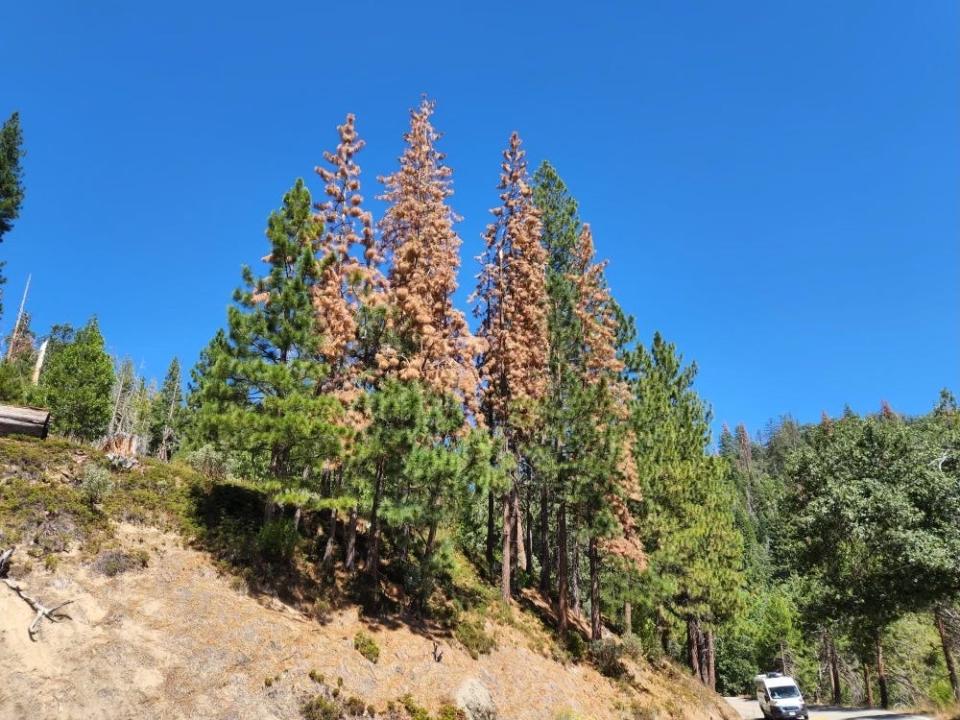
(373, 552)
(711, 671)
(693, 646)
(24, 421)
(426, 573)
(350, 558)
(663, 630)
(867, 687)
(297, 514)
(627, 618)
(704, 660)
(431, 541)
(528, 538)
(563, 579)
(882, 674)
(575, 576)
(516, 532)
(544, 532)
(596, 629)
(491, 532)
(947, 655)
(328, 550)
(834, 669)
(507, 542)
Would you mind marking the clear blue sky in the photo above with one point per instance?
(776, 185)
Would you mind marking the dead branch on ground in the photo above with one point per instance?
(52, 614)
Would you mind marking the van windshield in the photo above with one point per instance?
(784, 691)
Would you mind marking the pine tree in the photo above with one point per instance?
(694, 549)
(259, 393)
(606, 476)
(76, 384)
(11, 174)
(512, 307)
(11, 177)
(418, 477)
(166, 414)
(561, 229)
(433, 343)
(427, 343)
(347, 286)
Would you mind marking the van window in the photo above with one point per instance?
(784, 691)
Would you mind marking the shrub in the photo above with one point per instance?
(416, 712)
(50, 562)
(320, 708)
(354, 705)
(449, 711)
(366, 646)
(209, 461)
(576, 645)
(95, 484)
(633, 647)
(277, 539)
(474, 638)
(321, 609)
(115, 562)
(606, 654)
(317, 677)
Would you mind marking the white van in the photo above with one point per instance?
(779, 697)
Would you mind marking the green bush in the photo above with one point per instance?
(115, 562)
(633, 647)
(366, 646)
(320, 708)
(95, 484)
(448, 711)
(474, 638)
(416, 712)
(277, 539)
(606, 654)
(576, 645)
(209, 461)
(355, 706)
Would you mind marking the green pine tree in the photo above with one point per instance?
(695, 551)
(11, 178)
(76, 384)
(550, 452)
(256, 390)
(11, 174)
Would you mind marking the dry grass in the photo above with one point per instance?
(207, 632)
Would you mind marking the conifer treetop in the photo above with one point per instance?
(511, 299)
(432, 342)
(346, 282)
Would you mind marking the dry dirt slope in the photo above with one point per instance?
(176, 640)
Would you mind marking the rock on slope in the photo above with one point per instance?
(177, 640)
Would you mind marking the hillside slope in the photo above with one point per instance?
(157, 629)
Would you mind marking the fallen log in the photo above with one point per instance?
(16, 420)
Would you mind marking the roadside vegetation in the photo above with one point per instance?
(346, 438)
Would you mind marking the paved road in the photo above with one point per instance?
(750, 710)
